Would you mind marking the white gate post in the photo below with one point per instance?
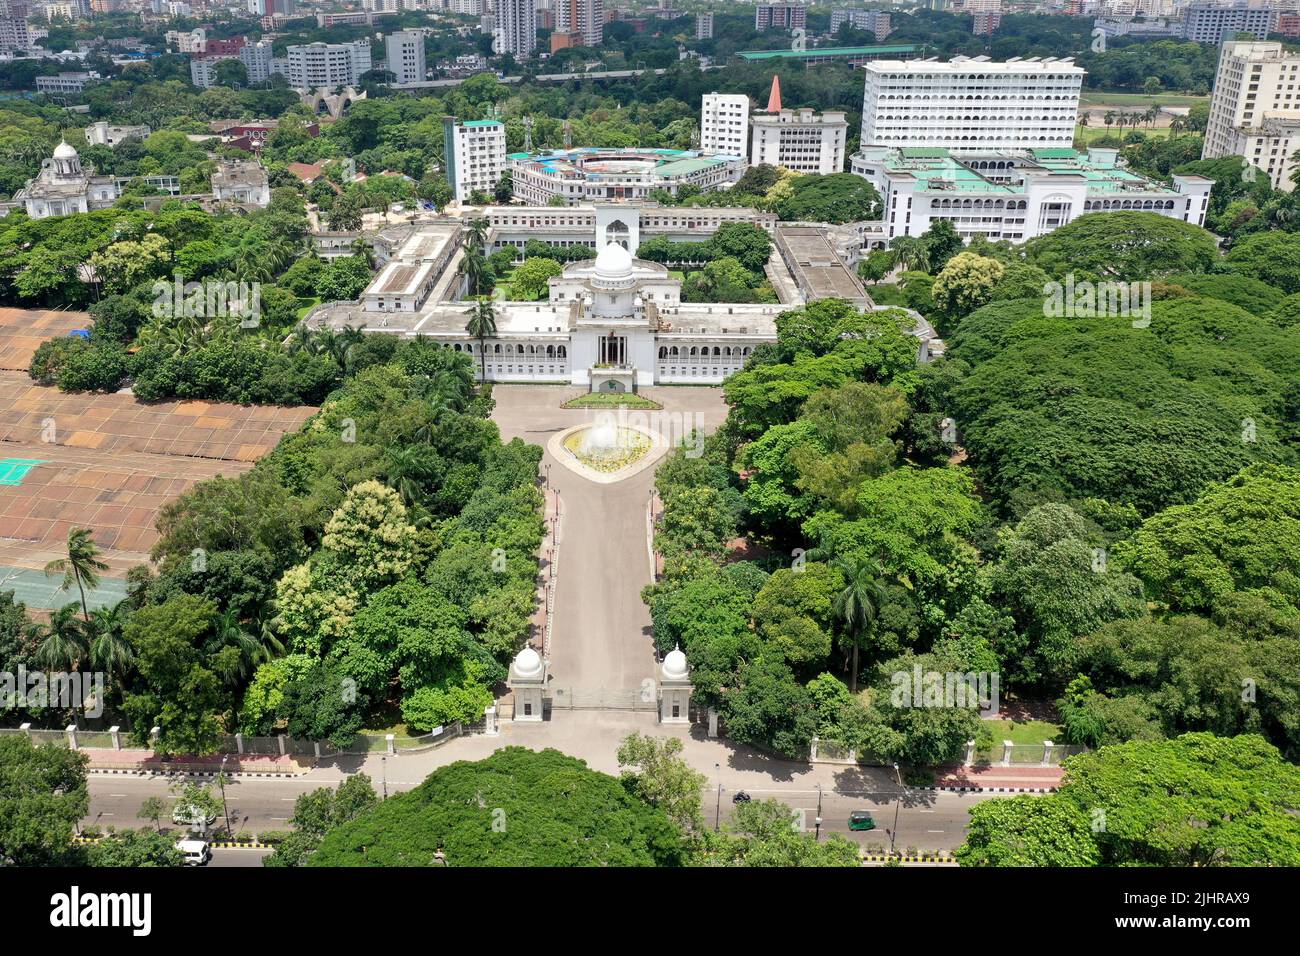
(389, 738)
(72, 736)
(1006, 752)
(1047, 753)
(970, 754)
(239, 743)
(116, 733)
(154, 734)
(280, 739)
(26, 728)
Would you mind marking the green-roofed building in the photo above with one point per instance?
(1014, 194)
(589, 174)
(853, 55)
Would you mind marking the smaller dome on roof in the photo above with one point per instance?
(528, 663)
(675, 664)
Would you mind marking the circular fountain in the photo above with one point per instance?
(607, 450)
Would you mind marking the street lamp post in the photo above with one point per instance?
(221, 779)
(897, 800)
(817, 833)
(717, 813)
(383, 765)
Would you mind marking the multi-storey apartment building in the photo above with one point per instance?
(971, 104)
(313, 65)
(780, 16)
(475, 152)
(585, 17)
(724, 124)
(404, 56)
(803, 140)
(515, 28)
(872, 21)
(1208, 23)
(1255, 108)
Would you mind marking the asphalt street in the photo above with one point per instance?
(927, 820)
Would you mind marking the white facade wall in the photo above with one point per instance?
(971, 105)
(800, 140)
(724, 124)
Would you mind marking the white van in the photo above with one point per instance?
(196, 852)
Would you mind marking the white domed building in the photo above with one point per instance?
(64, 186)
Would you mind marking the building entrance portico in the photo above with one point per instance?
(612, 350)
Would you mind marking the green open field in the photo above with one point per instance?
(1097, 98)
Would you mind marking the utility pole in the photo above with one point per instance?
(221, 779)
(383, 763)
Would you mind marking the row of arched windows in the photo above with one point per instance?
(674, 351)
(551, 351)
(1105, 205)
(955, 204)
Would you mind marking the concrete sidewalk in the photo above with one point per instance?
(594, 736)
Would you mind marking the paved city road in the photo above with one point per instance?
(927, 820)
(227, 856)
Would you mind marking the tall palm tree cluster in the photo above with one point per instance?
(96, 639)
(473, 263)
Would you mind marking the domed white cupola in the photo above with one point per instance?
(675, 664)
(66, 161)
(528, 663)
(527, 679)
(675, 688)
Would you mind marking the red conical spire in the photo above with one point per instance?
(774, 100)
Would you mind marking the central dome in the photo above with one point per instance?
(64, 151)
(614, 262)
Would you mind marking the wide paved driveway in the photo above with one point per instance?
(601, 637)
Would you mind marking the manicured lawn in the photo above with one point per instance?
(611, 400)
(306, 305)
(1019, 732)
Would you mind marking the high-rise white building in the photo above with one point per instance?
(14, 35)
(971, 104)
(704, 26)
(515, 28)
(803, 141)
(404, 55)
(313, 65)
(475, 155)
(1255, 108)
(584, 17)
(724, 124)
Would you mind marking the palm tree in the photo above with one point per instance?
(857, 605)
(473, 267)
(409, 468)
(910, 253)
(63, 643)
(109, 650)
(229, 631)
(482, 325)
(82, 565)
